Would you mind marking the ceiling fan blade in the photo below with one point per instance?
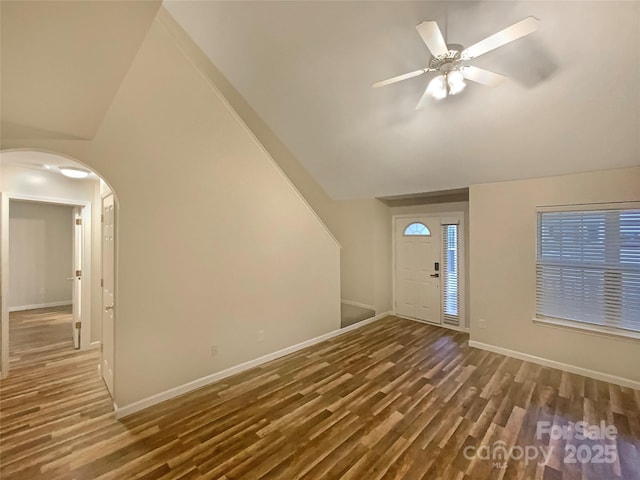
(399, 78)
(431, 35)
(483, 77)
(425, 96)
(509, 34)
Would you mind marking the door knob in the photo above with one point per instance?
(435, 275)
(108, 307)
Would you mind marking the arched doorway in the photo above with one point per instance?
(32, 180)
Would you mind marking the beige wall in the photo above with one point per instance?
(437, 209)
(213, 243)
(40, 254)
(382, 257)
(503, 274)
(354, 229)
(364, 230)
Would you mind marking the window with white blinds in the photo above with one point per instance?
(588, 267)
(450, 275)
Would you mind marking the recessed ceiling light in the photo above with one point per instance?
(73, 172)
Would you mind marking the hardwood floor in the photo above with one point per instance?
(393, 400)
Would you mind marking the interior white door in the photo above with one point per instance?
(76, 275)
(417, 268)
(108, 286)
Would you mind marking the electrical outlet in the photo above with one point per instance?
(482, 323)
(214, 350)
(260, 335)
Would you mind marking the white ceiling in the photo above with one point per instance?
(307, 67)
(41, 161)
(63, 61)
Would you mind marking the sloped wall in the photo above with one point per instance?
(359, 225)
(214, 243)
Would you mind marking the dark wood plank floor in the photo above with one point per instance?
(393, 400)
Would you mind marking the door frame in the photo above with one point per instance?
(111, 390)
(445, 218)
(77, 260)
(85, 332)
(418, 217)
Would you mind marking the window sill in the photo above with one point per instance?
(588, 329)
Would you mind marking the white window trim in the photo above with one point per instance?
(592, 207)
(587, 328)
(584, 327)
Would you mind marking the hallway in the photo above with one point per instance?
(53, 400)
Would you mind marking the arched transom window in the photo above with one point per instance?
(417, 229)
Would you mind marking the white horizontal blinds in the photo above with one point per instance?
(450, 275)
(588, 267)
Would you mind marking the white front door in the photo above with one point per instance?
(417, 268)
(76, 276)
(108, 282)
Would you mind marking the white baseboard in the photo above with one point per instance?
(357, 325)
(356, 304)
(39, 305)
(441, 325)
(214, 377)
(625, 382)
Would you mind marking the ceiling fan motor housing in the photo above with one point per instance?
(446, 62)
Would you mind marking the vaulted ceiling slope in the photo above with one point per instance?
(63, 61)
(572, 104)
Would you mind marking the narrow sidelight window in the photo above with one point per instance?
(450, 275)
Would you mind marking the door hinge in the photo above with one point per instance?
(78, 273)
(102, 217)
(78, 325)
(78, 221)
(102, 282)
(101, 348)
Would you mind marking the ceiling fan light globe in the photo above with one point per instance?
(456, 82)
(438, 87)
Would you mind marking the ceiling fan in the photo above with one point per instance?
(449, 60)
